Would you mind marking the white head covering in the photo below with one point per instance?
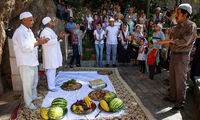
(111, 19)
(46, 20)
(25, 15)
(187, 7)
(160, 25)
(158, 8)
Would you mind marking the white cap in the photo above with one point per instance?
(158, 8)
(141, 19)
(46, 20)
(160, 25)
(187, 7)
(111, 19)
(25, 15)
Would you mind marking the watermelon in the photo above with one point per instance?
(55, 112)
(116, 104)
(109, 96)
(61, 102)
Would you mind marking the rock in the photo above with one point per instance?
(9, 17)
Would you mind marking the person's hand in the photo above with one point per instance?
(61, 36)
(119, 39)
(85, 31)
(42, 40)
(170, 31)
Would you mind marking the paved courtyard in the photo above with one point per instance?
(151, 94)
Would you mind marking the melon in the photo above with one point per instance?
(109, 96)
(61, 102)
(55, 112)
(116, 104)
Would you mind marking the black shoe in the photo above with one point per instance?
(177, 108)
(78, 65)
(71, 66)
(114, 65)
(107, 65)
(169, 100)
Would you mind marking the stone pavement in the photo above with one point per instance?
(151, 93)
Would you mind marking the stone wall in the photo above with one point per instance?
(9, 17)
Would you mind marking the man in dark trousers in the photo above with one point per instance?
(184, 35)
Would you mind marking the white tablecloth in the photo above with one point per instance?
(72, 96)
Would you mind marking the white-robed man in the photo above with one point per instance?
(52, 56)
(25, 47)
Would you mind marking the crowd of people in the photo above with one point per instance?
(126, 35)
(129, 37)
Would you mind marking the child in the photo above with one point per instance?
(131, 25)
(158, 35)
(152, 59)
(141, 57)
(77, 37)
(99, 36)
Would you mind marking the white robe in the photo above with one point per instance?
(52, 56)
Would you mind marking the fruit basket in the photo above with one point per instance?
(111, 103)
(56, 111)
(71, 85)
(104, 72)
(83, 107)
(97, 95)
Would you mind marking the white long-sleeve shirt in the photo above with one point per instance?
(112, 35)
(52, 56)
(23, 41)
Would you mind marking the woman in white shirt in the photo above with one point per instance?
(99, 36)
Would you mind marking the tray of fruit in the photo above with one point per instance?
(104, 72)
(71, 85)
(98, 94)
(56, 111)
(111, 103)
(83, 107)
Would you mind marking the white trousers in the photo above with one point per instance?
(29, 76)
(51, 78)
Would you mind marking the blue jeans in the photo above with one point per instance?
(110, 47)
(75, 55)
(99, 53)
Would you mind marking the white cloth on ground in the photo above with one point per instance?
(29, 76)
(52, 56)
(51, 78)
(23, 42)
(72, 96)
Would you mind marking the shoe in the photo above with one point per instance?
(177, 108)
(37, 98)
(54, 90)
(96, 65)
(114, 65)
(107, 65)
(78, 65)
(169, 100)
(31, 106)
(71, 66)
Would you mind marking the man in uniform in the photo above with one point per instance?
(184, 35)
(25, 46)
